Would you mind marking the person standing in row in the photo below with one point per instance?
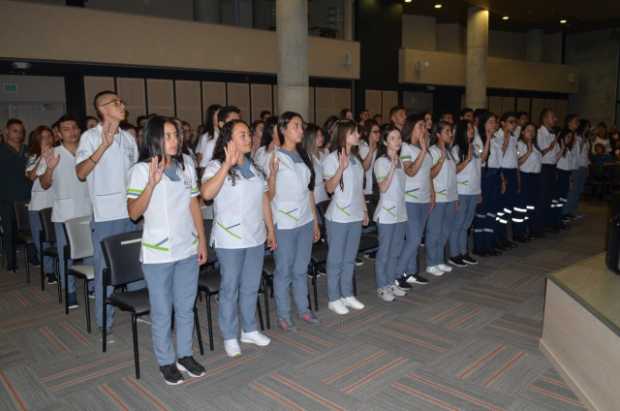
(390, 214)
(567, 163)
(547, 142)
(104, 157)
(368, 153)
(313, 142)
(582, 142)
(530, 165)
(291, 191)
(212, 130)
(71, 198)
(164, 190)
(224, 115)
(344, 177)
(242, 224)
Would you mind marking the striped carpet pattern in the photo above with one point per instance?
(466, 341)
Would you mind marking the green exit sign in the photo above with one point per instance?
(10, 88)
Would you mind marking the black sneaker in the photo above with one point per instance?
(190, 366)
(417, 279)
(171, 374)
(51, 279)
(468, 259)
(72, 301)
(401, 282)
(359, 261)
(457, 261)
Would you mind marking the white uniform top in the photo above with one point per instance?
(364, 149)
(495, 155)
(238, 209)
(71, 199)
(201, 146)
(568, 161)
(261, 159)
(39, 198)
(583, 156)
(208, 148)
(445, 181)
(107, 182)
(169, 233)
(508, 159)
(545, 138)
(468, 180)
(533, 164)
(391, 208)
(291, 204)
(320, 194)
(418, 187)
(348, 204)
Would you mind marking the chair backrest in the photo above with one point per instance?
(122, 257)
(21, 217)
(49, 234)
(79, 238)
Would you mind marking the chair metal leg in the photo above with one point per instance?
(259, 311)
(266, 301)
(66, 289)
(104, 329)
(198, 332)
(316, 293)
(87, 305)
(58, 282)
(354, 285)
(27, 254)
(42, 272)
(209, 321)
(136, 354)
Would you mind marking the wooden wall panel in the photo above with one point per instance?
(131, 90)
(160, 97)
(239, 95)
(538, 104)
(261, 99)
(523, 104)
(92, 86)
(390, 99)
(213, 92)
(373, 101)
(495, 105)
(188, 102)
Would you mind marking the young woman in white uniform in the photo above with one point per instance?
(313, 143)
(530, 165)
(269, 143)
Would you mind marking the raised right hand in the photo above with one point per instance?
(343, 160)
(156, 171)
(232, 155)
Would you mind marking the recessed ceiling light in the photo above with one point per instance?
(438, 5)
(563, 21)
(408, 1)
(505, 18)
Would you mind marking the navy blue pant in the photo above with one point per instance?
(563, 187)
(529, 195)
(485, 220)
(548, 191)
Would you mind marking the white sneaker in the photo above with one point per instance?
(352, 302)
(385, 294)
(256, 338)
(232, 348)
(338, 307)
(397, 291)
(434, 270)
(445, 268)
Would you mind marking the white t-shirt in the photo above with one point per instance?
(261, 159)
(71, 199)
(320, 194)
(291, 204)
(508, 159)
(568, 161)
(583, 157)
(545, 138)
(238, 209)
(364, 149)
(391, 208)
(201, 146)
(39, 198)
(169, 233)
(418, 187)
(107, 182)
(468, 180)
(348, 204)
(533, 164)
(445, 181)
(208, 148)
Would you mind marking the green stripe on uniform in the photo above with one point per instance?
(155, 247)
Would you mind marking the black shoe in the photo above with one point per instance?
(457, 261)
(171, 374)
(51, 279)
(359, 262)
(371, 256)
(72, 301)
(417, 279)
(401, 282)
(468, 259)
(190, 366)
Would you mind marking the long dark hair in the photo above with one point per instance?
(34, 143)
(309, 140)
(270, 127)
(563, 136)
(367, 129)
(154, 140)
(382, 148)
(461, 140)
(283, 123)
(410, 122)
(225, 136)
(339, 140)
(210, 126)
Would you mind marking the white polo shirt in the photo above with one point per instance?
(71, 198)
(169, 233)
(444, 182)
(391, 208)
(207, 148)
(545, 138)
(39, 198)
(291, 204)
(107, 182)
(468, 180)
(418, 187)
(320, 194)
(583, 157)
(533, 164)
(508, 159)
(364, 149)
(568, 161)
(238, 220)
(348, 204)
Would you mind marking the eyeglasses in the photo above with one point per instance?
(117, 103)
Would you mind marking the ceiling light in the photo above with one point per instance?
(408, 1)
(505, 18)
(438, 5)
(563, 21)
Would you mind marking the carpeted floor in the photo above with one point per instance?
(467, 341)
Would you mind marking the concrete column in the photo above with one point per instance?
(292, 32)
(207, 11)
(348, 17)
(534, 46)
(476, 60)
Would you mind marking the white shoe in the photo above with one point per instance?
(338, 307)
(232, 348)
(385, 294)
(434, 270)
(445, 268)
(397, 291)
(352, 302)
(256, 338)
